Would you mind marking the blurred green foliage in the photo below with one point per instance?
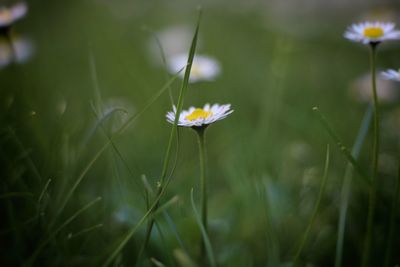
(265, 161)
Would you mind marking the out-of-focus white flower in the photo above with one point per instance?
(117, 111)
(386, 90)
(174, 40)
(204, 68)
(14, 49)
(372, 32)
(391, 74)
(197, 117)
(9, 15)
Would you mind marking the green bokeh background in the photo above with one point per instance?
(265, 161)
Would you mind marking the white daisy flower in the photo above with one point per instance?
(372, 32)
(391, 74)
(197, 117)
(204, 68)
(9, 15)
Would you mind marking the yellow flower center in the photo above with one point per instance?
(198, 113)
(373, 32)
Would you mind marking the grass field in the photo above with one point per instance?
(84, 137)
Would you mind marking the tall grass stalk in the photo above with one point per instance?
(164, 179)
(174, 129)
(346, 187)
(372, 191)
(315, 211)
(345, 151)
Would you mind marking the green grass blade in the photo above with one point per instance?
(174, 129)
(206, 239)
(101, 119)
(93, 73)
(315, 211)
(164, 180)
(174, 230)
(157, 263)
(84, 231)
(183, 259)
(346, 187)
(345, 151)
(133, 230)
(43, 192)
(166, 205)
(163, 58)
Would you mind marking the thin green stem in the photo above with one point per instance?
(392, 222)
(315, 211)
(203, 182)
(345, 151)
(372, 192)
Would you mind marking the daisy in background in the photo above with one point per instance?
(15, 49)
(169, 42)
(9, 15)
(372, 32)
(390, 74)
(198, 119)
(204, 68)
(360, 90)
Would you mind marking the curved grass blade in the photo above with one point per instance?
(163, 58)
(174, 129)
(166, 205)
(341, 146)
(84, 231)
(206, 239)
(43, 192)
(346, 188)
(100, 121)
(315, 211)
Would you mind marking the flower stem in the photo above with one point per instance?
(203, 182)
(372, 192)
